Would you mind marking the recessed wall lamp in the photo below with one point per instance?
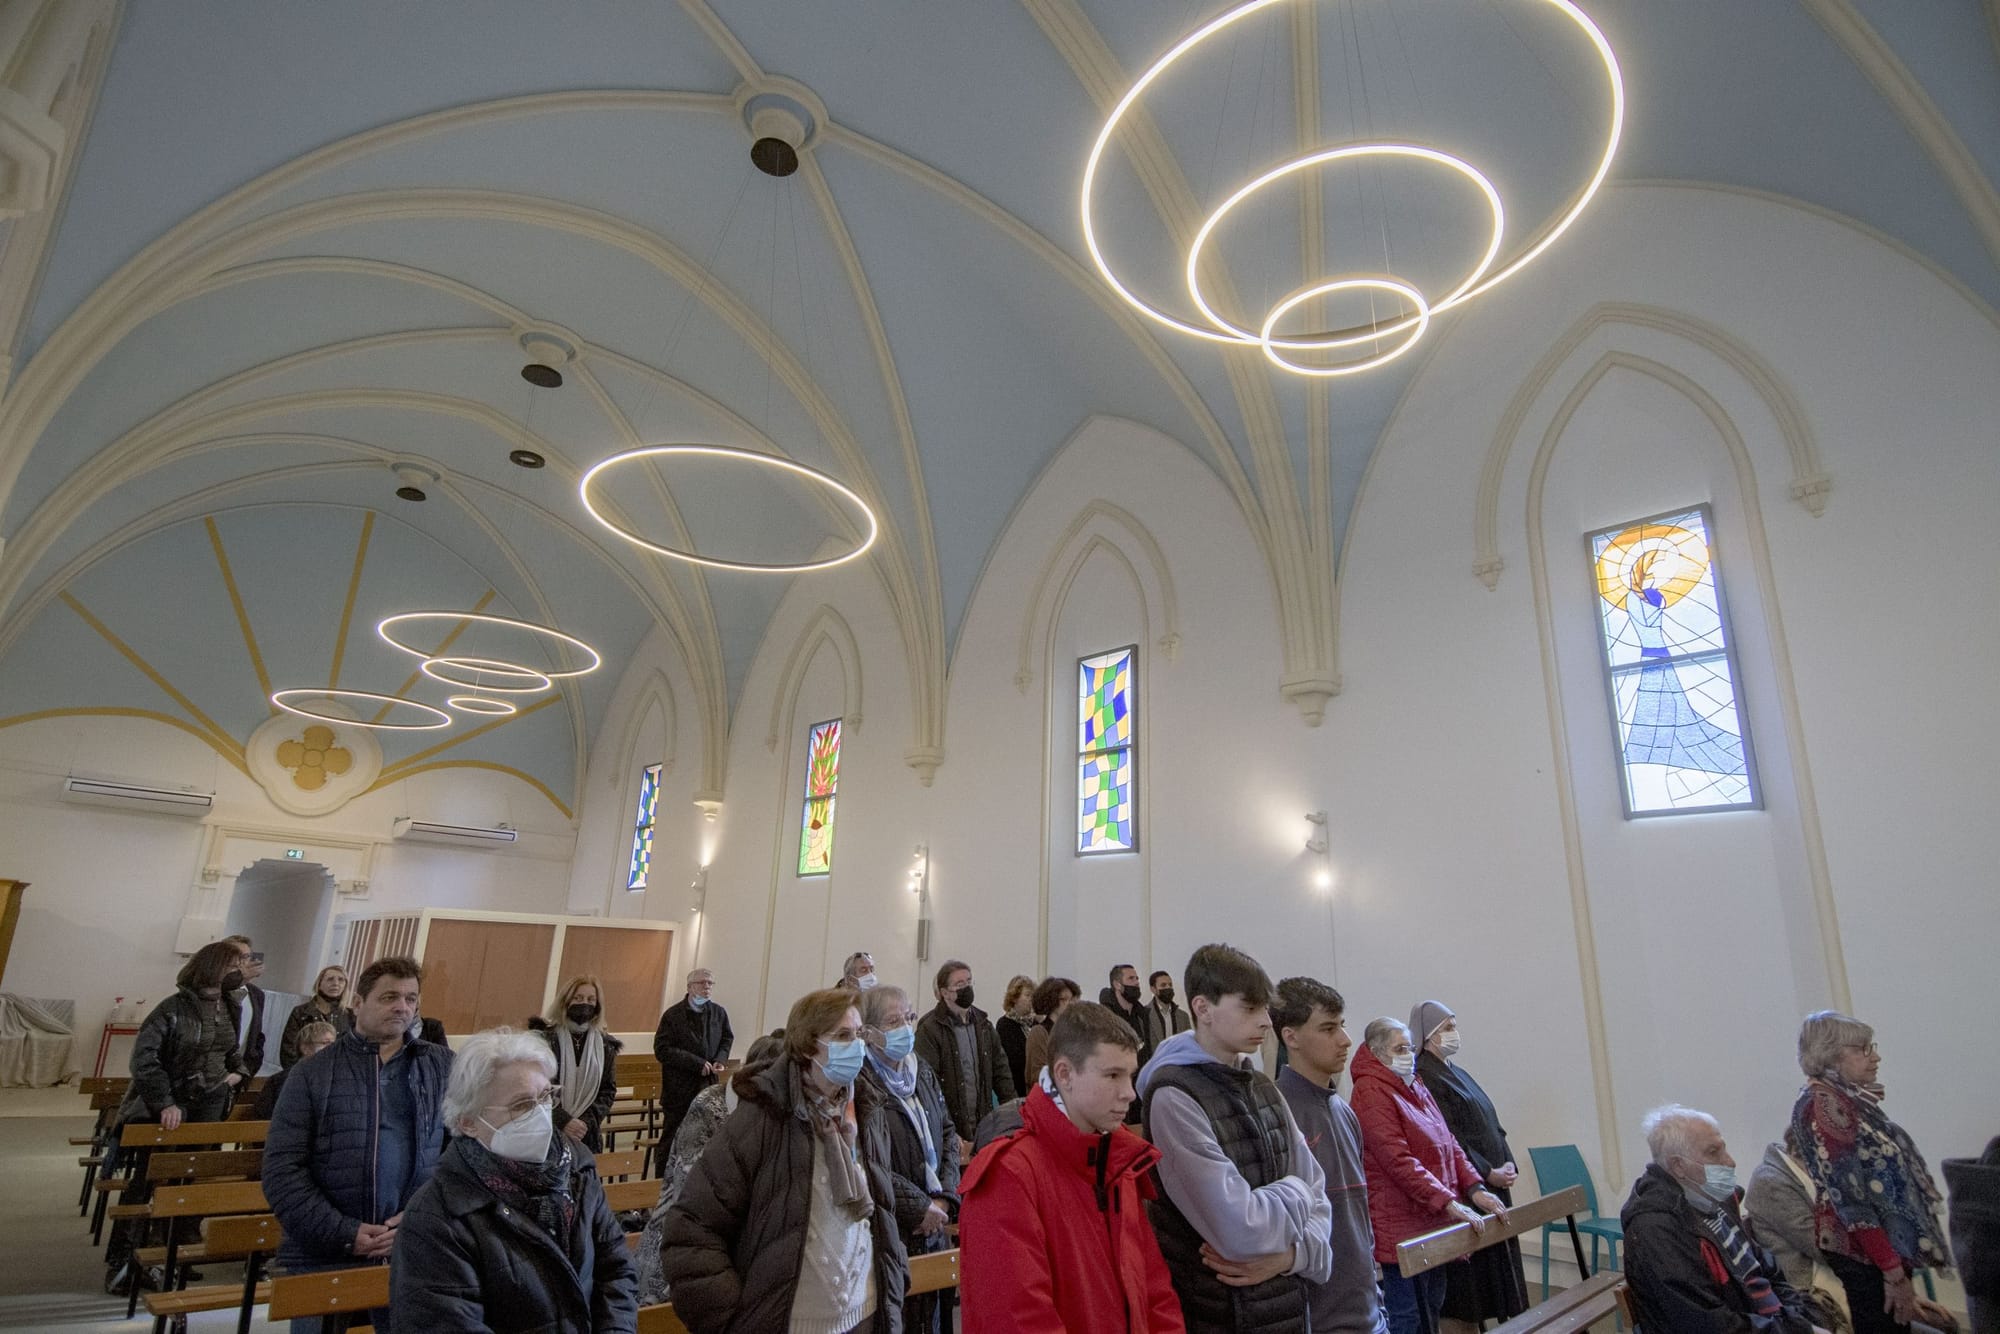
(699, 888)
(1317, 845)
(920, 885)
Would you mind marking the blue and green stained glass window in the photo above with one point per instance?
(822, 784)
(642, 828)
(1105, 775)
(1682, 744)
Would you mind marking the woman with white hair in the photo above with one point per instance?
(586, 1059)
(1419, 1180)
(511, 1232)
(1876, 1215)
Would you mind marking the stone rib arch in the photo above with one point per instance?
(1810, 482)
(828, 627)
(1099, 526)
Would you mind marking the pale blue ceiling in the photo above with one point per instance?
(1000, 354)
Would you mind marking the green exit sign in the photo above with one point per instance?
(295, 854)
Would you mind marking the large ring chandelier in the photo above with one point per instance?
(479, 669)
(1483, 276)
(509, 670)
(813, 475)
(283, 699)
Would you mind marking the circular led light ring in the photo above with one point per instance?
(278, 697)
(727, 451)
(1415, 323)
(1459, 165)
(484, 667)
(481, 705)
(1582, 20)
(382, 629)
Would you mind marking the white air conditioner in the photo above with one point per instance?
(134, 797)
(430, 832)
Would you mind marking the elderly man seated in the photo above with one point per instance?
(1692, 1266)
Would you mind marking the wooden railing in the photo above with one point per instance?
(1574, 1308)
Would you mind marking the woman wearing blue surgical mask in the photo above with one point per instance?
(923, 1144)
(787, 1224)
(512, 1231)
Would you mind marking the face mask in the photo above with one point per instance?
(1166, 995)
(842, 1063)
(698, 1002)
(1447, 1044)
(1130, 993)
(1404, 1066)
(899, 1042)
(964, 997)
(581, 1014)
(233, 980)
(866, 983)
(1719, 1182)
(525, 1139)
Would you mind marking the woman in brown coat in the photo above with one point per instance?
(787, 1224)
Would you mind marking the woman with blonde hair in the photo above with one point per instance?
(586, 1060)
(326, 1005)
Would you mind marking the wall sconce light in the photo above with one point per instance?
(699, 887)
(1316, 843)
(920, 885)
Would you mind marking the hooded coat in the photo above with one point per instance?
(736, 1237)
(1416, 1170)
(1680, 1281)
(1058, 1222)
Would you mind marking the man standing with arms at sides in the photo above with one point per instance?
(692, 1044)
(1311, 1021)
(1054, 1211)
(1243, 1217)
(1163, 1017)
(356, 1131)
(247, 1005)
(958, 1042)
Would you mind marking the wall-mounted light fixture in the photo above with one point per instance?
(1316, 844)
(920, 885)
(699, 888)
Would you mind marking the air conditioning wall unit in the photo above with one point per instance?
(137, 797)
(428, 831)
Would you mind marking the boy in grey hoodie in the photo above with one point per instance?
(1243, 1218)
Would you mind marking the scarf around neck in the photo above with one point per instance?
(900, 1078)
(1879, 1179)
(833, 1122)
(539, 1190)
(580, 1078)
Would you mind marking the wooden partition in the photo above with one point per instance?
(631, 965)
(479, 974)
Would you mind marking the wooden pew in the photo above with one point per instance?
(630, 1163)
(205, 1165)
(1574, 1308)
(328, 1293)
(1623, 1292)
(190, 1134)
(251, 1238)
(200, 1200)
(105, 1097)
(624, 1196)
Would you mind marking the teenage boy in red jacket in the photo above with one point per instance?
(1056, 1211)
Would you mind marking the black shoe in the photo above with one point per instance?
(190, 1276)
(153, 1278)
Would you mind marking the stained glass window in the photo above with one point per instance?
(642, 828)
(1105, 776)
(1682, 744)
(822, 778)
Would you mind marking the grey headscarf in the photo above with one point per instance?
(1424, 1020)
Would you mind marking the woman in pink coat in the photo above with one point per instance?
(1419, 1180)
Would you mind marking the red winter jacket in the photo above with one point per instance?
(1053, 1245)
(1415, 1167)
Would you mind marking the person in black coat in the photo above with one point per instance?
(959, 1044)
(1490, 1285)
(248, 995)
(512, 1233)
(923, 1146)
(322, 1007)
(1974, 1184)
(357, 1131)
(311, 1040)
(692, 1045)
(586, 1060)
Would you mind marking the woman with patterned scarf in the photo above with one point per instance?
(586, 1060)
(1876, 1212)
(512, 1231)
(923, 1144)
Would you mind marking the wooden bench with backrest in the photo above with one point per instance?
(629, 1163)
(626, 1196)
(149, 1135)
(198, 1200)
(1574, 1308)
(106, 1096)
(188, 1168)
(329, 1293)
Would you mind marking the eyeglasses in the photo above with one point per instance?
(1866, 1049)
(522, 1106)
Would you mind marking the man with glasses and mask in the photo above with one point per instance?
(246, 1003)
(958, 1042)
(692, 1045)
(357, 1130)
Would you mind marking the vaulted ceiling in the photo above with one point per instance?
(304, 242)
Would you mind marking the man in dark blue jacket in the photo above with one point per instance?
(357, 1130)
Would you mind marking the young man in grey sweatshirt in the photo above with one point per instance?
(1311, 1021)
(1243, 1218)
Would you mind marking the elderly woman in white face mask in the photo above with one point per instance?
(512, 1232)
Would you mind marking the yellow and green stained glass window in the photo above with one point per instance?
(1105, 774)
(642, 828)
(1669, 662)
(822, 780)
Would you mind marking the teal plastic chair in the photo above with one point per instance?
(1557, 1167)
